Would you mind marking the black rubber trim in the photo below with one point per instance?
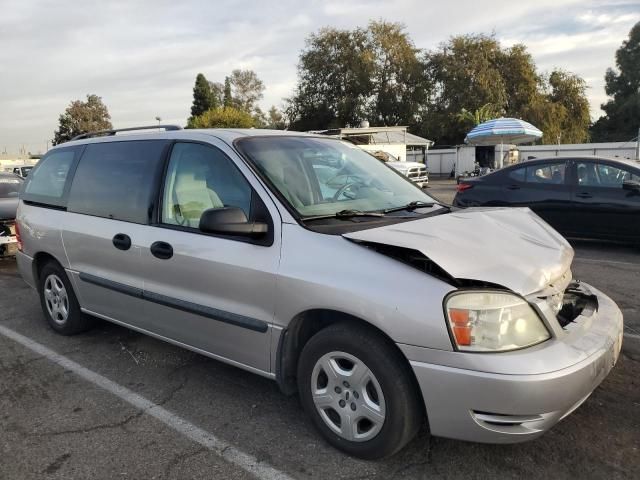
(111, 285)
(189, 307)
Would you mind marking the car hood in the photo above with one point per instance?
(511, 247)
(8, 208)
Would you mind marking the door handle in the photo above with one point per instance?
(584, 195)
(161, 250)
(121, 241)
(513, 187)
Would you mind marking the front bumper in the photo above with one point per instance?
(485, 406)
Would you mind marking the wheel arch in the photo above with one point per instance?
(304, 326)
(39, 260)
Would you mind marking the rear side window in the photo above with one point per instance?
(48, 181)
(117, 180)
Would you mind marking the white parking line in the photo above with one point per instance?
(606, 262)
(227, 451)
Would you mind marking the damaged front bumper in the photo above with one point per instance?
(516, 396)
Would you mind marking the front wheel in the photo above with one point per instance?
(359, 391)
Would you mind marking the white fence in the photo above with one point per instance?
(442, 161)
(612, 150)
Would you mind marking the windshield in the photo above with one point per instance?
(320, 176)
(10, 187)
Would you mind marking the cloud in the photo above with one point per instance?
(142, 57)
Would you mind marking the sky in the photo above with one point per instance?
(142, 56)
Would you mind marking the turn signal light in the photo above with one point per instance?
(461, 187)
(461, 326)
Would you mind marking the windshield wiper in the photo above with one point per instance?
(411, 206)
(344, 214)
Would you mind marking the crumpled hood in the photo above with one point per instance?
(512, 247)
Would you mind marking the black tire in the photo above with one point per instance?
(404, 410)
(76, 321)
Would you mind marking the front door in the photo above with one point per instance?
(212, 293)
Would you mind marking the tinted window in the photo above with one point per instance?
(117, 180)
(200, 177)
(592, 174)
(9, 186)
(518, 174)
(550, 173)
(46, 184)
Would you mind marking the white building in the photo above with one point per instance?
(395, 141)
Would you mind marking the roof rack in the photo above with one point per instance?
(106, 133)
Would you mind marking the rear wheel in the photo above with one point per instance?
(359, 391)
(59, 303)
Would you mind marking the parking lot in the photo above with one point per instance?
(113, 403)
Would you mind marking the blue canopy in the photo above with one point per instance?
(503, 130)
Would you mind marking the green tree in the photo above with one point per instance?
(222, 117)
(469, 72)
(275, 119)
(346, 76)
(227, 98)
(334, 80)
(622, 112)
(82, 117)
(217, 91)
(248, 89)
(203, 98)
(399, 85)
(479, 115)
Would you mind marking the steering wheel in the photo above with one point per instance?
(344, 189)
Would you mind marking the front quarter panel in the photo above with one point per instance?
(321, 271)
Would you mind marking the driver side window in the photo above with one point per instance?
(200, 177)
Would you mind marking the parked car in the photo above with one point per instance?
(307, 261)
(20, 170)
(10, 185)
(414, 171)
(580, 197)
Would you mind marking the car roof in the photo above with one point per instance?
(227, 135)
(621, 161)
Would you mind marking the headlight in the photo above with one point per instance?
(493, 322)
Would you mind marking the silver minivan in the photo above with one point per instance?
(305, 260)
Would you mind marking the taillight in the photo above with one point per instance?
(18, 239)
(461, 187)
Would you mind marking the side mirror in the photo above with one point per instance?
(231, 221)
(631, 185)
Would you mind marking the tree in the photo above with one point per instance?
(334, 80)
(82, 117)
(622, 112)
(222, 117)
(203, 98)
(469, 72)
(346, 76)
(217, 91)
(478, 116)
(275, 119)
(248, 89)
(227, 98)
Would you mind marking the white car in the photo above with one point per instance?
(414, 171)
